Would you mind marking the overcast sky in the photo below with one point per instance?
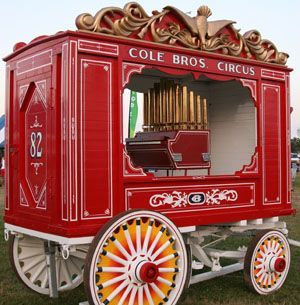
(278, 21)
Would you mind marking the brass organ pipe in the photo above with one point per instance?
(152, 92)
(149, 110)
(192, 111)
(152, 109)
(177, 105)
(198, 112)
(181, 108)
(195, 110)
(169, 105)
(204, 114)
(157, 107)
(184, 107)
(166, 112)
(164, 103)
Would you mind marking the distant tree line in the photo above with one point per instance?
(295, 145)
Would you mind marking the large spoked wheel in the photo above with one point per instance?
(138, 258)
(28, 259)
(267, 262)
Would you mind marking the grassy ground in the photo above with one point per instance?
(229, 289)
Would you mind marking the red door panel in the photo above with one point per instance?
(96, 138)
(271, 147)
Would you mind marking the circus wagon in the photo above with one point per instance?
(137, 143)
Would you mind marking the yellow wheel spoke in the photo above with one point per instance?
(113, 281)
(132, 295)
(120, 247)
(116, 291)
(148, 295)
(147, 237)
(125, 294)
(166, 258)
(168, 270)
(162, 248)
(115, 258)
(138, 235)
(157, 238)
(112, 269)
(158, 291)
(141, 296)
(129, 240)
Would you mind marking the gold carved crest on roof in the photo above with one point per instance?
(173, 27)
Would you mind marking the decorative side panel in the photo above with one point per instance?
(69, 127)
(271, 74)
(36, 146)
(72, 131)
(31, 179)
(178, 199)
(34, 62)
(64, 135)
(98, 47)
(271, 145)
(96, 147)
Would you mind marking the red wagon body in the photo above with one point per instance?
(71, 166)
(65, 103)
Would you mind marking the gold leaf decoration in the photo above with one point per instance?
(263, 49)
(196, 33)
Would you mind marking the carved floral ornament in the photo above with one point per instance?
(173, 27)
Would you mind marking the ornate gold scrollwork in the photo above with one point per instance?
(192, 32)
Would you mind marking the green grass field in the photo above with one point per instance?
(229, 289)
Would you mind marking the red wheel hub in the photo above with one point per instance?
(280, 264)
(148, 272)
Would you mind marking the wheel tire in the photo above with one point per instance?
(136, 257)
(267, 262)
(28, 260)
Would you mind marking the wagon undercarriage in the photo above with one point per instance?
(135, 250)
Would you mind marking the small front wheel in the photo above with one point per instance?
(139, 257)
(28, 259)
(267, 262)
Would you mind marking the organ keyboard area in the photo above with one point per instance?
(175, 129)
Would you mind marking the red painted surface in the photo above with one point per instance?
(280, 264)
(272, 150)
(158, 149)
(186, 143)
(148, 272)
(87, 177)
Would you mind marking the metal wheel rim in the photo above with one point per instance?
(29, 260)
(124, 287)
(273, 243)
